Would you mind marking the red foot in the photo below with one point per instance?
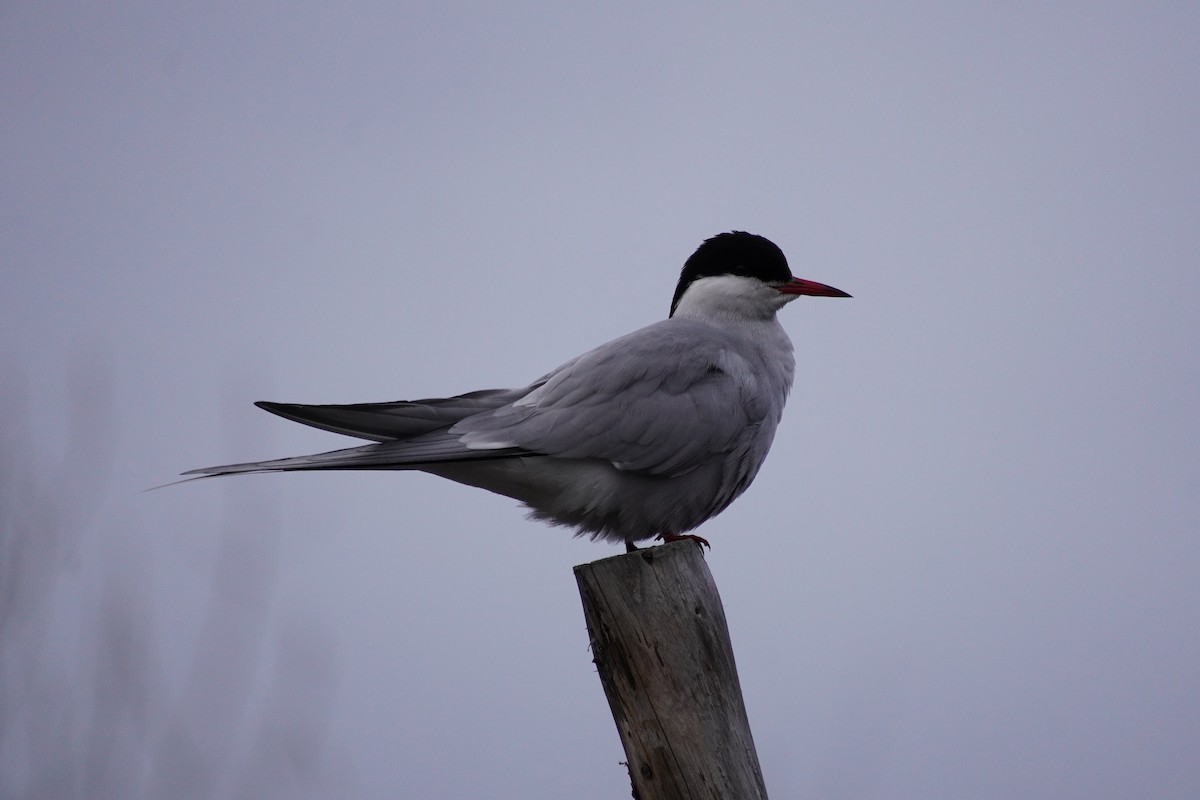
(675, 537)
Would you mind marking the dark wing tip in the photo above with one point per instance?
(285, 410)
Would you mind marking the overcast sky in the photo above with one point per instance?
(968, 568)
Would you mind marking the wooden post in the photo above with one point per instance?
(661, 646)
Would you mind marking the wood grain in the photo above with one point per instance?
(661, 646)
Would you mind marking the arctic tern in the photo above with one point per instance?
(647, 436)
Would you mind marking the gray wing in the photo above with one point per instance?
(402, 419)
(662, 400)
(410, 434)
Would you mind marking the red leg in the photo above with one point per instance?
(675, 537)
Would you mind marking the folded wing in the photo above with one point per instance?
(661, 401)
(410, 434)
(403, 419)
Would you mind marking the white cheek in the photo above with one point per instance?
(730, 296)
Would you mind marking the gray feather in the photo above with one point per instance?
(414, 454)
(402, 419)
(661, 401)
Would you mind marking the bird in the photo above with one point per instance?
(645, 437)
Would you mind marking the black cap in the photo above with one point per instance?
(734, 253)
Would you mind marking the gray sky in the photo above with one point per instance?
(968, 569)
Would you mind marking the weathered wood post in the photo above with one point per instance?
(661, 646)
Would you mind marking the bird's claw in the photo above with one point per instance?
(700, 541)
